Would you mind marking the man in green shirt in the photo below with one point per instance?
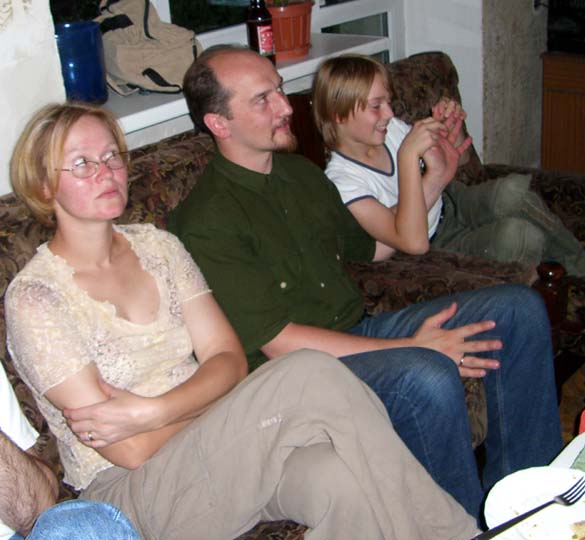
(271, 236)
(299, 277)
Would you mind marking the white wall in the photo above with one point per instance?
(454, 27)
(30, 72)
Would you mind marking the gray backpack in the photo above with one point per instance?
(142, 52)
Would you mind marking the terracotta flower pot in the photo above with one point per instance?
(291, 29)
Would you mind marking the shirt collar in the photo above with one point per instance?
(253, 180)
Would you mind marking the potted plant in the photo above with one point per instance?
(291, 27)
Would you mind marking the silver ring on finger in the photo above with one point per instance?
(90, 436)
(462, 361)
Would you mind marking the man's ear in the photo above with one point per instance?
(217, 124)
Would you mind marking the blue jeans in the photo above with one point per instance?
(80, 518)
(423, 392)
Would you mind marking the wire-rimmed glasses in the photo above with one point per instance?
(85, 168)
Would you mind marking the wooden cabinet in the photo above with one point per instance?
(563, 112)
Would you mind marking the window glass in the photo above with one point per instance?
(67, 10)
(332, 2)
(205, 15)
(374, 25)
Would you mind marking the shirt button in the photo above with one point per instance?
(336, 317)
(322, 284)
(283, 284)
(337, 256)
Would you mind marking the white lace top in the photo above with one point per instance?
(54, 329)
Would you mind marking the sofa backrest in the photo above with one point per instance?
(162, 174)
(417, 83)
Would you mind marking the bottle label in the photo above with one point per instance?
(265, 41)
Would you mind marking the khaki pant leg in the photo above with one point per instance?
(213, 479)
(488, 220)
(318, 490)
(503, 219)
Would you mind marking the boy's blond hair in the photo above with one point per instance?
(340, 86)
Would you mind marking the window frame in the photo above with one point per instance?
(323, 16)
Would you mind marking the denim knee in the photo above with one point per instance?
(434, 381)
(428, 381)
(512, 304)
(82, 518)
(522, 300)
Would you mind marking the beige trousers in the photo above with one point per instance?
(299, 438)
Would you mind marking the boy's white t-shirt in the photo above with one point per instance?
(355, 180)
(15, 426)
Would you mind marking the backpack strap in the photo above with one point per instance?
(159, 80)
(115, 23)
(145, 19)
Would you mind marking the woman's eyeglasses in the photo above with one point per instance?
(84, 168)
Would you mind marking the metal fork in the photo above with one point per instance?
(569, 497)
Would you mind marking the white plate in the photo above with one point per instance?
(526, 489)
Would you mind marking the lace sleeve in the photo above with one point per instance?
(44, 335)
(189, 279)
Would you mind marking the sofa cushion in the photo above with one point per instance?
(407, 279)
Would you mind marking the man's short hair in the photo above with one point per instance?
(202, 89)
(341, 85)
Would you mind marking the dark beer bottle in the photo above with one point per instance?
(259, 27)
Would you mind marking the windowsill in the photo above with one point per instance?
(141, 112)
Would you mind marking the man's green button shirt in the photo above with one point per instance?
(272, 247)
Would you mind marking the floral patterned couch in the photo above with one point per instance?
(163, 173)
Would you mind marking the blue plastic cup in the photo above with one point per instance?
(81, 51)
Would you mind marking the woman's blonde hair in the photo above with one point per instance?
(340, 86)
(39, 152)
